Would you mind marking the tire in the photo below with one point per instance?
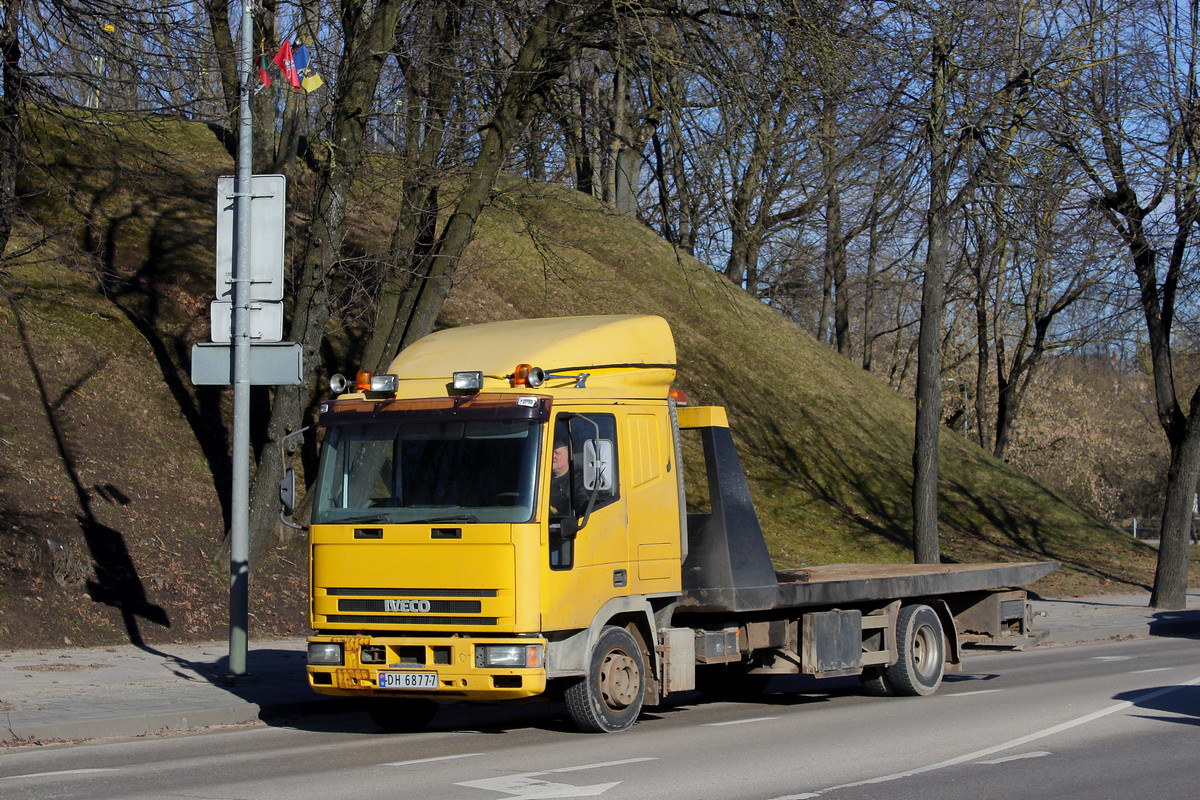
(609, 698)
(875, 683)
(397, 715)
(922, 652)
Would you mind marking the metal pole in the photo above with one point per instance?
(239, 535)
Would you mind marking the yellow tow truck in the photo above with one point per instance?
(502, 516)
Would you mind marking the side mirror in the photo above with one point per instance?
(287, 491)
(598, 465)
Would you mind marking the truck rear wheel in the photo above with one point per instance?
(875, 683)
(401, 715)
(922, 652)
(610, 698)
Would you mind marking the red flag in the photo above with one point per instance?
(262, 69)
(287, 65)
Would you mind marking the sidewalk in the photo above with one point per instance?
(94, 692)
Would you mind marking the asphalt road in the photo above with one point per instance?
(1113, 720)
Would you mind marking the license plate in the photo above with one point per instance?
(408, 680)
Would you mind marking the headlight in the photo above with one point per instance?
(508, 655)
(325, 654)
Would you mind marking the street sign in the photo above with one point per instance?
(270, 364)
(268, 212)
(265, 323)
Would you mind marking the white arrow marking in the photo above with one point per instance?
(975, 692)
(526, 786)
(59, 772)
(1006, 759)
(738, 722)
(427, 760)
(529, 788)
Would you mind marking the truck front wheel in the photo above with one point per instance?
(609, 698)
(921, 647)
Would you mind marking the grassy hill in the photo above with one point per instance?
(114, 468)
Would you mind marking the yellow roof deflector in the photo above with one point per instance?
(601, 356)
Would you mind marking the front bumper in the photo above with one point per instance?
(448, 669)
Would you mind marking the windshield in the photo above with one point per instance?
(439, 471)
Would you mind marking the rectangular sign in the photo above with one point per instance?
(266, 321)
(267, 217)
(270, 364)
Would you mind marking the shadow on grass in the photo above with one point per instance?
(115, 580)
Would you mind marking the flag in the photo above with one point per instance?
(286, 63)
(300, 57)
(262, 69)
(310, 81)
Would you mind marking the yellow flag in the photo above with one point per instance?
(312, 81)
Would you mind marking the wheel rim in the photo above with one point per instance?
(619, 679)
(926, 651)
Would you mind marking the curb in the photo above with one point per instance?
(158, 722)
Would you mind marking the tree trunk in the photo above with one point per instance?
(263, 103)
(1171, 572)
(1182, 431)
(826, 300)
(415, 231)
(576, 130)
(543, 59)
(929, 339)
(227, 61)
(13, 83)
(367, 43)
(868, 351)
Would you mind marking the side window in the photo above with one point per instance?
(583, 478)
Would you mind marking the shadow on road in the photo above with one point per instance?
(1182, 702)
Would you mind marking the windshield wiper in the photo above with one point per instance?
(452, 518)
(365, 518)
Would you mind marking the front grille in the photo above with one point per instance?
(375, 592)
(435, 606)
(396, 619)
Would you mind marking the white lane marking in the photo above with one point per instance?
(427, 760)
(1000, 748)
(526, 786)
(737, 722)
(598, 765)
(1112, 658)
(1156, 669)
(1006, 759)
(977, 691)
(59, 772)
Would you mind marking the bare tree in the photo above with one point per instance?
(1130, 122)
(12, 83)
(982, 56)
(367, 39)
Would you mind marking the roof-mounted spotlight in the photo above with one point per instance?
(468, 381)
(385, 383)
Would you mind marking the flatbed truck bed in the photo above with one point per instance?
(860, 583)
